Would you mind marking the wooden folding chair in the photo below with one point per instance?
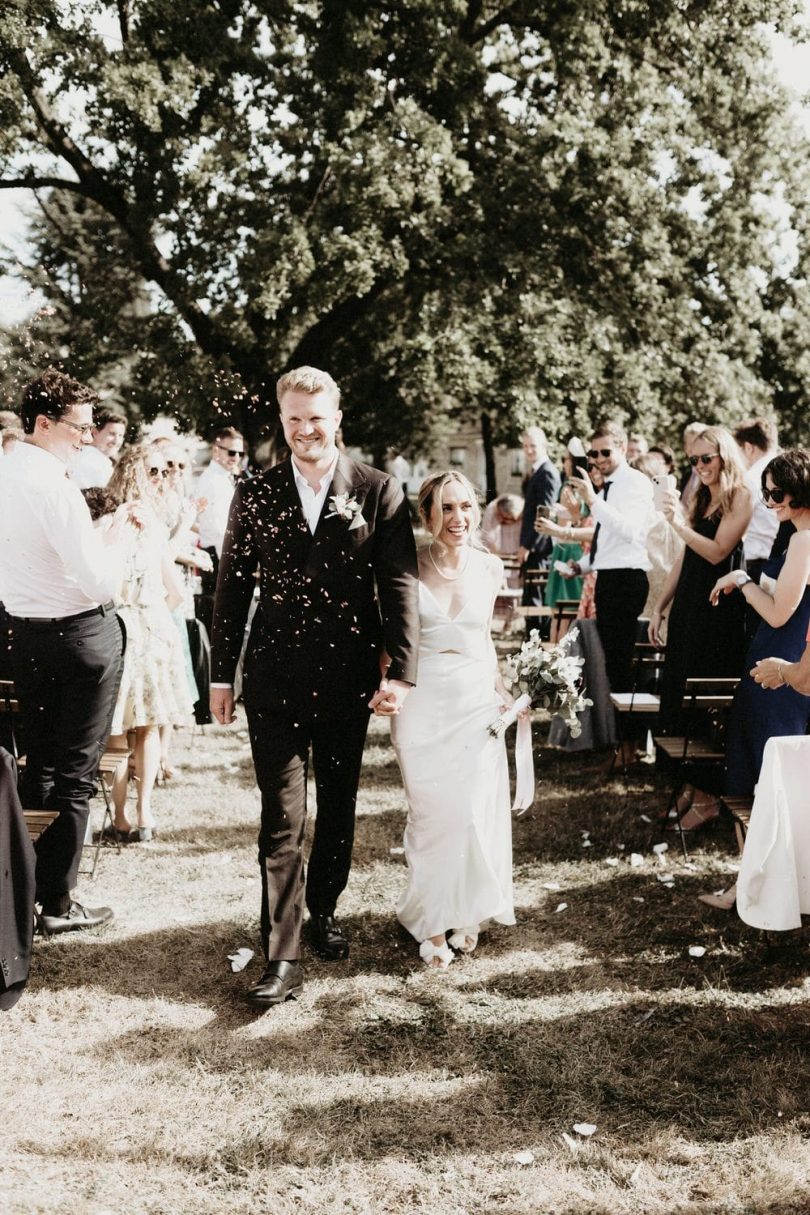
(641, 701)
(706, 702)
(740, 810)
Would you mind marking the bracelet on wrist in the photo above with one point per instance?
(781, 674)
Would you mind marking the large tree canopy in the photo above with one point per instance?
(463, 209)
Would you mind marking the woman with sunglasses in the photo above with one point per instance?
(702, 640)
(782, 599)
(153, 691)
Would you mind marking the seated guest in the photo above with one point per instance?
(95, 462)
(782, 602)
(500, 530)
(58, 576)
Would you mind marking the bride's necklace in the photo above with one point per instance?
(441, 573)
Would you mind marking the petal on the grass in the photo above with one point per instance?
(660, 849)
(636, 859)
(523, 1157)
(240, 959)
(585, 1128)
(696, 951)
(561, 907)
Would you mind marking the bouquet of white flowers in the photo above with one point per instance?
(547, 678)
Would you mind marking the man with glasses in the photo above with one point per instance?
(58, 576)
(217, 485)
(94, 464)
(623, 510)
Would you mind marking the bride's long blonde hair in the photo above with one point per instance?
(430, 495)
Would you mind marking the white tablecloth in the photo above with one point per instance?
(773, 889)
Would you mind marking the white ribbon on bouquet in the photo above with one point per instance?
(524, 759)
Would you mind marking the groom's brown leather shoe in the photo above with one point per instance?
(281, 981)
(328, 938)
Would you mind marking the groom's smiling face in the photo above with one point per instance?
(310, 422)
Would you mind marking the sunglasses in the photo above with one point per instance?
(773, 495)
(604, 452)
(158, 472)
(175, 464)
(693, 460)
(230, 451)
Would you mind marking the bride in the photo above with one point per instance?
(458, 837)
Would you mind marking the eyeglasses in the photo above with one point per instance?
(604, 452)
(86, 429)
(773, 495)
(693, 460)
(158, 472)
(175, 464)
(230, 451)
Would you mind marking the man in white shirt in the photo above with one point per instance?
(758, 444)
(216, 484)
(58, 576)
(623, 510)
(94, 464)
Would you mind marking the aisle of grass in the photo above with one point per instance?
(136, 1079)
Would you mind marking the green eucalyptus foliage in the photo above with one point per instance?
(532, 211)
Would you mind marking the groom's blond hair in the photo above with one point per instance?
(309, 380)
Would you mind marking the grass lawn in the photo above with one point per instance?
(136, 1079)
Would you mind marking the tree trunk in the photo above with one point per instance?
(489, 456)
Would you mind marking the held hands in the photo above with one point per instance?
(389, 697)
(221, 704)
(768, 672)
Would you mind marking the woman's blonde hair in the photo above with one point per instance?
(130, 481)
(430, 494)
(732, 474)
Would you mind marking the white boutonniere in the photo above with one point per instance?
(346, 507)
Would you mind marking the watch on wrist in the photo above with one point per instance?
(743, 579)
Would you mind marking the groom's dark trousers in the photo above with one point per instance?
(330, 604)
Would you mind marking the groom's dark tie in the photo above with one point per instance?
(595, 541)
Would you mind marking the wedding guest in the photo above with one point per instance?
(95, 462)
(58, 576)
(541, 488)
(458, 838)
(664, 546)
(702, 640)
(757, 440)
(637, 446)
(216, 485)
(500, 531)
(782, 602)
(666, 455)
(154, 690)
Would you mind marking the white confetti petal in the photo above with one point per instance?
(585, 1128)
(636, 859)
(396, 851)
(523, 1157)
(552, 886)
(240, 959)
(570, 1143)
(561, 907)
(637, 898)
(696, 951)
(645, 818)
(660, 849)
(612, 860)
(587, 843)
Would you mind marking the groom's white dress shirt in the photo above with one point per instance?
(625, 520)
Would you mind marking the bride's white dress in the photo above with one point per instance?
(458, 838)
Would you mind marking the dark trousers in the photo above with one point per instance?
(66, 674)
(281, 748)
(533, 594)
(619, 599)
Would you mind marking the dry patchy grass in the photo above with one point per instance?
(136, 1079)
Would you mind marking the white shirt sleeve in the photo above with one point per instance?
(98, 567)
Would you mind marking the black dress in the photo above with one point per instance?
(702, 641)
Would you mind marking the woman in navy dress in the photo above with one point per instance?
(782, 599)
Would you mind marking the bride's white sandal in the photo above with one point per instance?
(443, 953)
(464, 939)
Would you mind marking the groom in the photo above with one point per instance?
(324, 533)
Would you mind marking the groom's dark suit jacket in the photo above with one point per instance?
(319, 628)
